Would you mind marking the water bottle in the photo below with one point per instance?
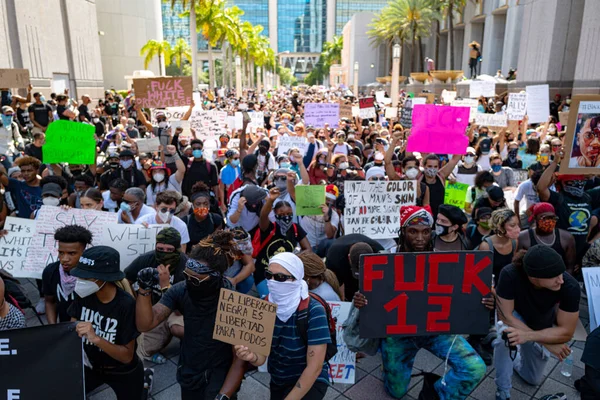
(566, 367)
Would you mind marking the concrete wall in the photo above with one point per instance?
(127, 26)
(360, 49)
(587, 68)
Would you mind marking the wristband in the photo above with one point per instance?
(165, 288)
(148, 293)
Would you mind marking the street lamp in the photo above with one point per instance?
(238, 76)
(356, 78)
(395, 74)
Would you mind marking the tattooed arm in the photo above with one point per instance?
(147, 317)
(315, 357)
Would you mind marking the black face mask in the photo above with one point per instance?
(206, 290)
(262, 150)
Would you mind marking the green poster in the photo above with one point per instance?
(71, 142)
(455, 194)
(309, 199)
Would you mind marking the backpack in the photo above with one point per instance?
(302, 323)
(257, 245)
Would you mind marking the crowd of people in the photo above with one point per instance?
(233, 223)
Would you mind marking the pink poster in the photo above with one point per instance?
(439, 129)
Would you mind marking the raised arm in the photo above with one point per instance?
(148, 317)
(264, 222)
(449, 167)
(188, 113)
(142, 117)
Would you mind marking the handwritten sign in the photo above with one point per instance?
(490, 120)
(172, 113)
(482, 88)
(309, 199)
(69, 141)
(471, 103)
(345, 110)
(538, 103)
(163, 92)
(149, 145)
(14, 78)
(208, 124)
(245, 320)
(373, 207)
(342, 367)
(129, 240)
(14, 246)
(257, 120)
(591, 277)
(517, 106)
(439, 129)
(288, 142)
(456, 194)
(367, 107)
(319, 114)
(44, 250)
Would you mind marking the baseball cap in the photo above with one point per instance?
(495, 193)
(53, 189)
(99, 262)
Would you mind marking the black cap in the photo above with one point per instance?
(254, 194)
(495, 193)
(543, 262)
(126, 153)
(453, 213)
(482, 212)
(249, 162)
(99, 262)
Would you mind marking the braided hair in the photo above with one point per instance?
(218, 250)
(499, 218)
(315, 267)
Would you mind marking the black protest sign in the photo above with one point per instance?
(431, 293)
(44, 362)
(406, 116)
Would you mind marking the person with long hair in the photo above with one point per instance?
(505, 225)
(202, 222)
(91, 199)
(320, 280)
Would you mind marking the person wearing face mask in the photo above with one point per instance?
(313, 147)
(131, 130)
(476, 232)
(296, 364)
(132, 207)
(240, 274)
(266, 160)
(483, 147)
(228, 175)
(512, 159)
(198, 168)
(165, 206)
(435, 178)
(503, 176)
(316, 170)
(168, 263)
(162, 179)
(493, 197)
(208, 368)
(10, 130)
(286, 180)
(106, 321)
(448, 229)
(51, 195)
(341, 147)
(40, 113)
(544, 158)
(125, 169)
(201, 223)
(322, 229)
(467, 168)
(58, 284)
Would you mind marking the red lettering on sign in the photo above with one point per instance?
(471, 275)
(434, 262)
(434, 317)
(400, 284)
(399, 302)
(369, 275)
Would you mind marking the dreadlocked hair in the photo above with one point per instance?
(315, 267)
(219, 250)
(499, 218)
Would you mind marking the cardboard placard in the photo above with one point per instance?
(430, 293)
(70, 142)
(471, 103)
(516, 109)
(287, 142)
(591, 277)
(130, 240)
(245, 320)
(491, 120)
(13, 78)
(149, 145)
(429, 97)
(345, 110)
(482, 88)
(582, 141)
(373, 207)
(367, 107)
(456, 194)
(563, 118)
(342, 367)
(309, 199)
(14, 246)
(163, 92)
(439, 129)
(319, 114)
(538, 103)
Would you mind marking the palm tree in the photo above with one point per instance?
(384, 32)
(332, 52)
(154, 48)
(449, 7)
(181, 51)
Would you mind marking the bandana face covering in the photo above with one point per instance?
(201, 212)
(575, 189)
(284, 222)
(546, 225)
(67, 282)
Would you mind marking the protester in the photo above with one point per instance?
(320, 280)
(113, 197)
(448, 229)
(161, 178)
(322, 229)
(10, 316)
(132, 208)
(241, 273)
(125, 170)
(28, 192)
(480, 228)
(505, 225)
(435, 176)
(494, 199)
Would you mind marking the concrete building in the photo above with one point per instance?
(57, 40)
(125, 26)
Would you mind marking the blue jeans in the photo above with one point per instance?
(245, 285)
(529, 363)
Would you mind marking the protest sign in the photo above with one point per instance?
(245, 320)
(373, 207)
(342, 367)
(345, 110)
(15, 244)
(208, 124)
(431, 293)
(439, 129)
(379, 96)
(234, 144)
(309, 199)
(429, 98)
(355, 111)
(319, 114)
(391, 112)
(563, 118)
(232, 122)
(50, 353)
(455, 194)
(448, 96)
(43, 249)
(163, 92)
(517, 106)
(288, 142)
(149, 145)
(521, 175)
(471, 103)
(482, 88)
(538, 103)
(591, 277)
(257, 119)
(130, 240)
(71, 142)
(406, 117)
(185, 128)
(490, 120)
(172, 113)
(582, 151)
(13, 78)
(367, 107)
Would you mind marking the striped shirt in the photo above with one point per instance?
(287, 360)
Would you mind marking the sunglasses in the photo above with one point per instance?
(170, 211)
(279, 277)
(378, 178)
(194, 280)
(280, 178)
(549, 218)
(129, 201)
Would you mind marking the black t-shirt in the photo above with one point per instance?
(23, 117)
(199, 351)
(436, 195)
(33, 151)
(51, 287)
(84, 112)
(133, 176)
(337, 260)
(134, 133)
(204, 171)
(114, 322)
(278, 243)
(485, 202)
(60, 110)
(200, 230)
(40, 113)
(149, 260)
(537, 306)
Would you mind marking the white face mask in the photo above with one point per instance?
(412, 173)
(51, 201)
(162, 124)
(159, 177)
(286, 295)
(164, 216)
(85, 288)
(469, 159)
(343, 165)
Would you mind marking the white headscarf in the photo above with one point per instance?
(287, 295)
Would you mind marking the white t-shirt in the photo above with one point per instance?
(326, 292)
(176, 223)
(151, 195)
(109, 204)
(261, 162)
(525, 190)
(144, 211)
(341, 149)
(248, 220)
(314, 227)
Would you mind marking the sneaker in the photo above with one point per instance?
(40, 307)
(148, 381)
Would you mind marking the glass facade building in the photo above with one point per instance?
(301, 25)
(175, 27)
(255, 11)
(345, 9)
